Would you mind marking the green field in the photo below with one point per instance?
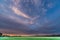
(29, 38)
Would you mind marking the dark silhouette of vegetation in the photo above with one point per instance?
(0, 34)
(5, 36)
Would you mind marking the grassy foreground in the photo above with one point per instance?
(29, 38)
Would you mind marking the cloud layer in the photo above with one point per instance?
(30, 16)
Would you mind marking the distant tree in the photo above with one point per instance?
(5, 35)
(0, 34)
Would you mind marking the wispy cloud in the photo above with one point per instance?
(18, 12)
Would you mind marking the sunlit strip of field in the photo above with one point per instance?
(29, 38)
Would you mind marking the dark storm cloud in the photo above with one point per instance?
(11, 25)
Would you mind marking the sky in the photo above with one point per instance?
(30, 16)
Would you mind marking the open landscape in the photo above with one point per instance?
(29, 38)
(29, 19)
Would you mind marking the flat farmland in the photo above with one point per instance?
(29, 38)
